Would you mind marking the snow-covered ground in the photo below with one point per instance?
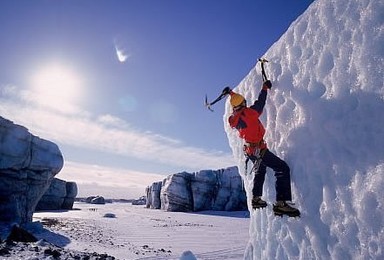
(126, 231)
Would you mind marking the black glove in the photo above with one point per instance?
(226, 91)
(267, 84)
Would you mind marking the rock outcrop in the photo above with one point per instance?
(95, 200)
(153, 195)
(205, 190)
(60, 195)
(176, 192)
(27, 166)
(140, 201)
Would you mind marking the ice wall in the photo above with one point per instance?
(325, 117)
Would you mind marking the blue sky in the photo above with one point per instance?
(122, 83)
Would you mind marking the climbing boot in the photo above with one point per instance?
(283, 208)
(257, 203)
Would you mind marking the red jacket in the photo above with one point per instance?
(247, 122)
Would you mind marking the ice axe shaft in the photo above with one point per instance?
(263, 74)
(223, 94)
(209, 104)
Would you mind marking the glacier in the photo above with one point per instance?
(324, 116)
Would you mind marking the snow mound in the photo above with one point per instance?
(187, 255)
(324, 116)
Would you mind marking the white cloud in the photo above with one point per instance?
(15, 97)
(121, 54)
(98, 180)
(85, 173)
(106, 133)
(112, 121)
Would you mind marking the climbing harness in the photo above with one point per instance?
(254, 153)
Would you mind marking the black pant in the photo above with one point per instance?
(282, 174)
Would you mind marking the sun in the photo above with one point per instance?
(56, 85)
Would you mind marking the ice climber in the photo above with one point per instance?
(246, 121)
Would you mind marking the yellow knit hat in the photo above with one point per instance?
(236, 99)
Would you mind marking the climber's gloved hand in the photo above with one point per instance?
(226, 91)
(267, 84)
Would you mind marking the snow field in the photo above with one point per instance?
(140, 233)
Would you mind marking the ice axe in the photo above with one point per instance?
(224, 93)
(263, 74)
(227, 90)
